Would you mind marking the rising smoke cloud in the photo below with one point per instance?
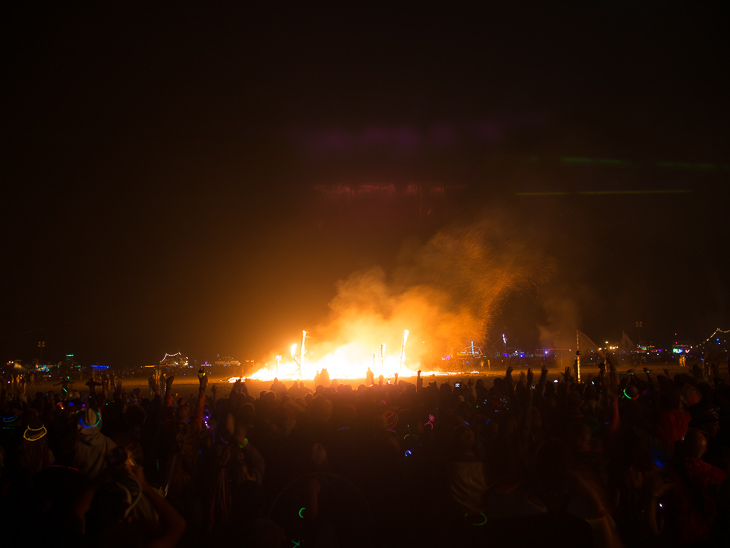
(446, 292)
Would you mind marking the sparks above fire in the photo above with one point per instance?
(350, 361)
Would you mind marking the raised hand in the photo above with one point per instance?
(530, 377)
(137, 472)
(92, 384)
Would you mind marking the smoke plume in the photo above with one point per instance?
(445, 292)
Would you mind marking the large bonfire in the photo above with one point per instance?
(350, 361)
(445, 293)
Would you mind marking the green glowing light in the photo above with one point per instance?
(604, 192)
(687, 165)
(610, 162)
(623, 163)
(674, 165)
(481, 514)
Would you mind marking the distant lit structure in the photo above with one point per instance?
(226, 361)
(176, 359)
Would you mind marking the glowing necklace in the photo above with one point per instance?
(29, 429)
(98, 420)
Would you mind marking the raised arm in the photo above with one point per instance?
(168, 390)
(510, 384)
(200, 407)
(527, 419)
(171, 522)
(542, 382)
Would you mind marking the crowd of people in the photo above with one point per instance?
(616, 460)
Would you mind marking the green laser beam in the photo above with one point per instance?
(605, 192)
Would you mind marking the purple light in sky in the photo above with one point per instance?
(400, 138)
(442, 135)
(486, 131)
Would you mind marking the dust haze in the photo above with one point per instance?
(446, 292)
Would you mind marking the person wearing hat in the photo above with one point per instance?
(92, 446)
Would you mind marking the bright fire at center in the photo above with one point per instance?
(349, 361)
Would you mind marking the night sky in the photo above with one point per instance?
(203, 179)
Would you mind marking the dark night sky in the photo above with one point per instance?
(177, 178)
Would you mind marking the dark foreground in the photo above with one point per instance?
(504, 459)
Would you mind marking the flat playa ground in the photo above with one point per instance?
(187, 385)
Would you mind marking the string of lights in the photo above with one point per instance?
(718, 330)
(177, 356)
